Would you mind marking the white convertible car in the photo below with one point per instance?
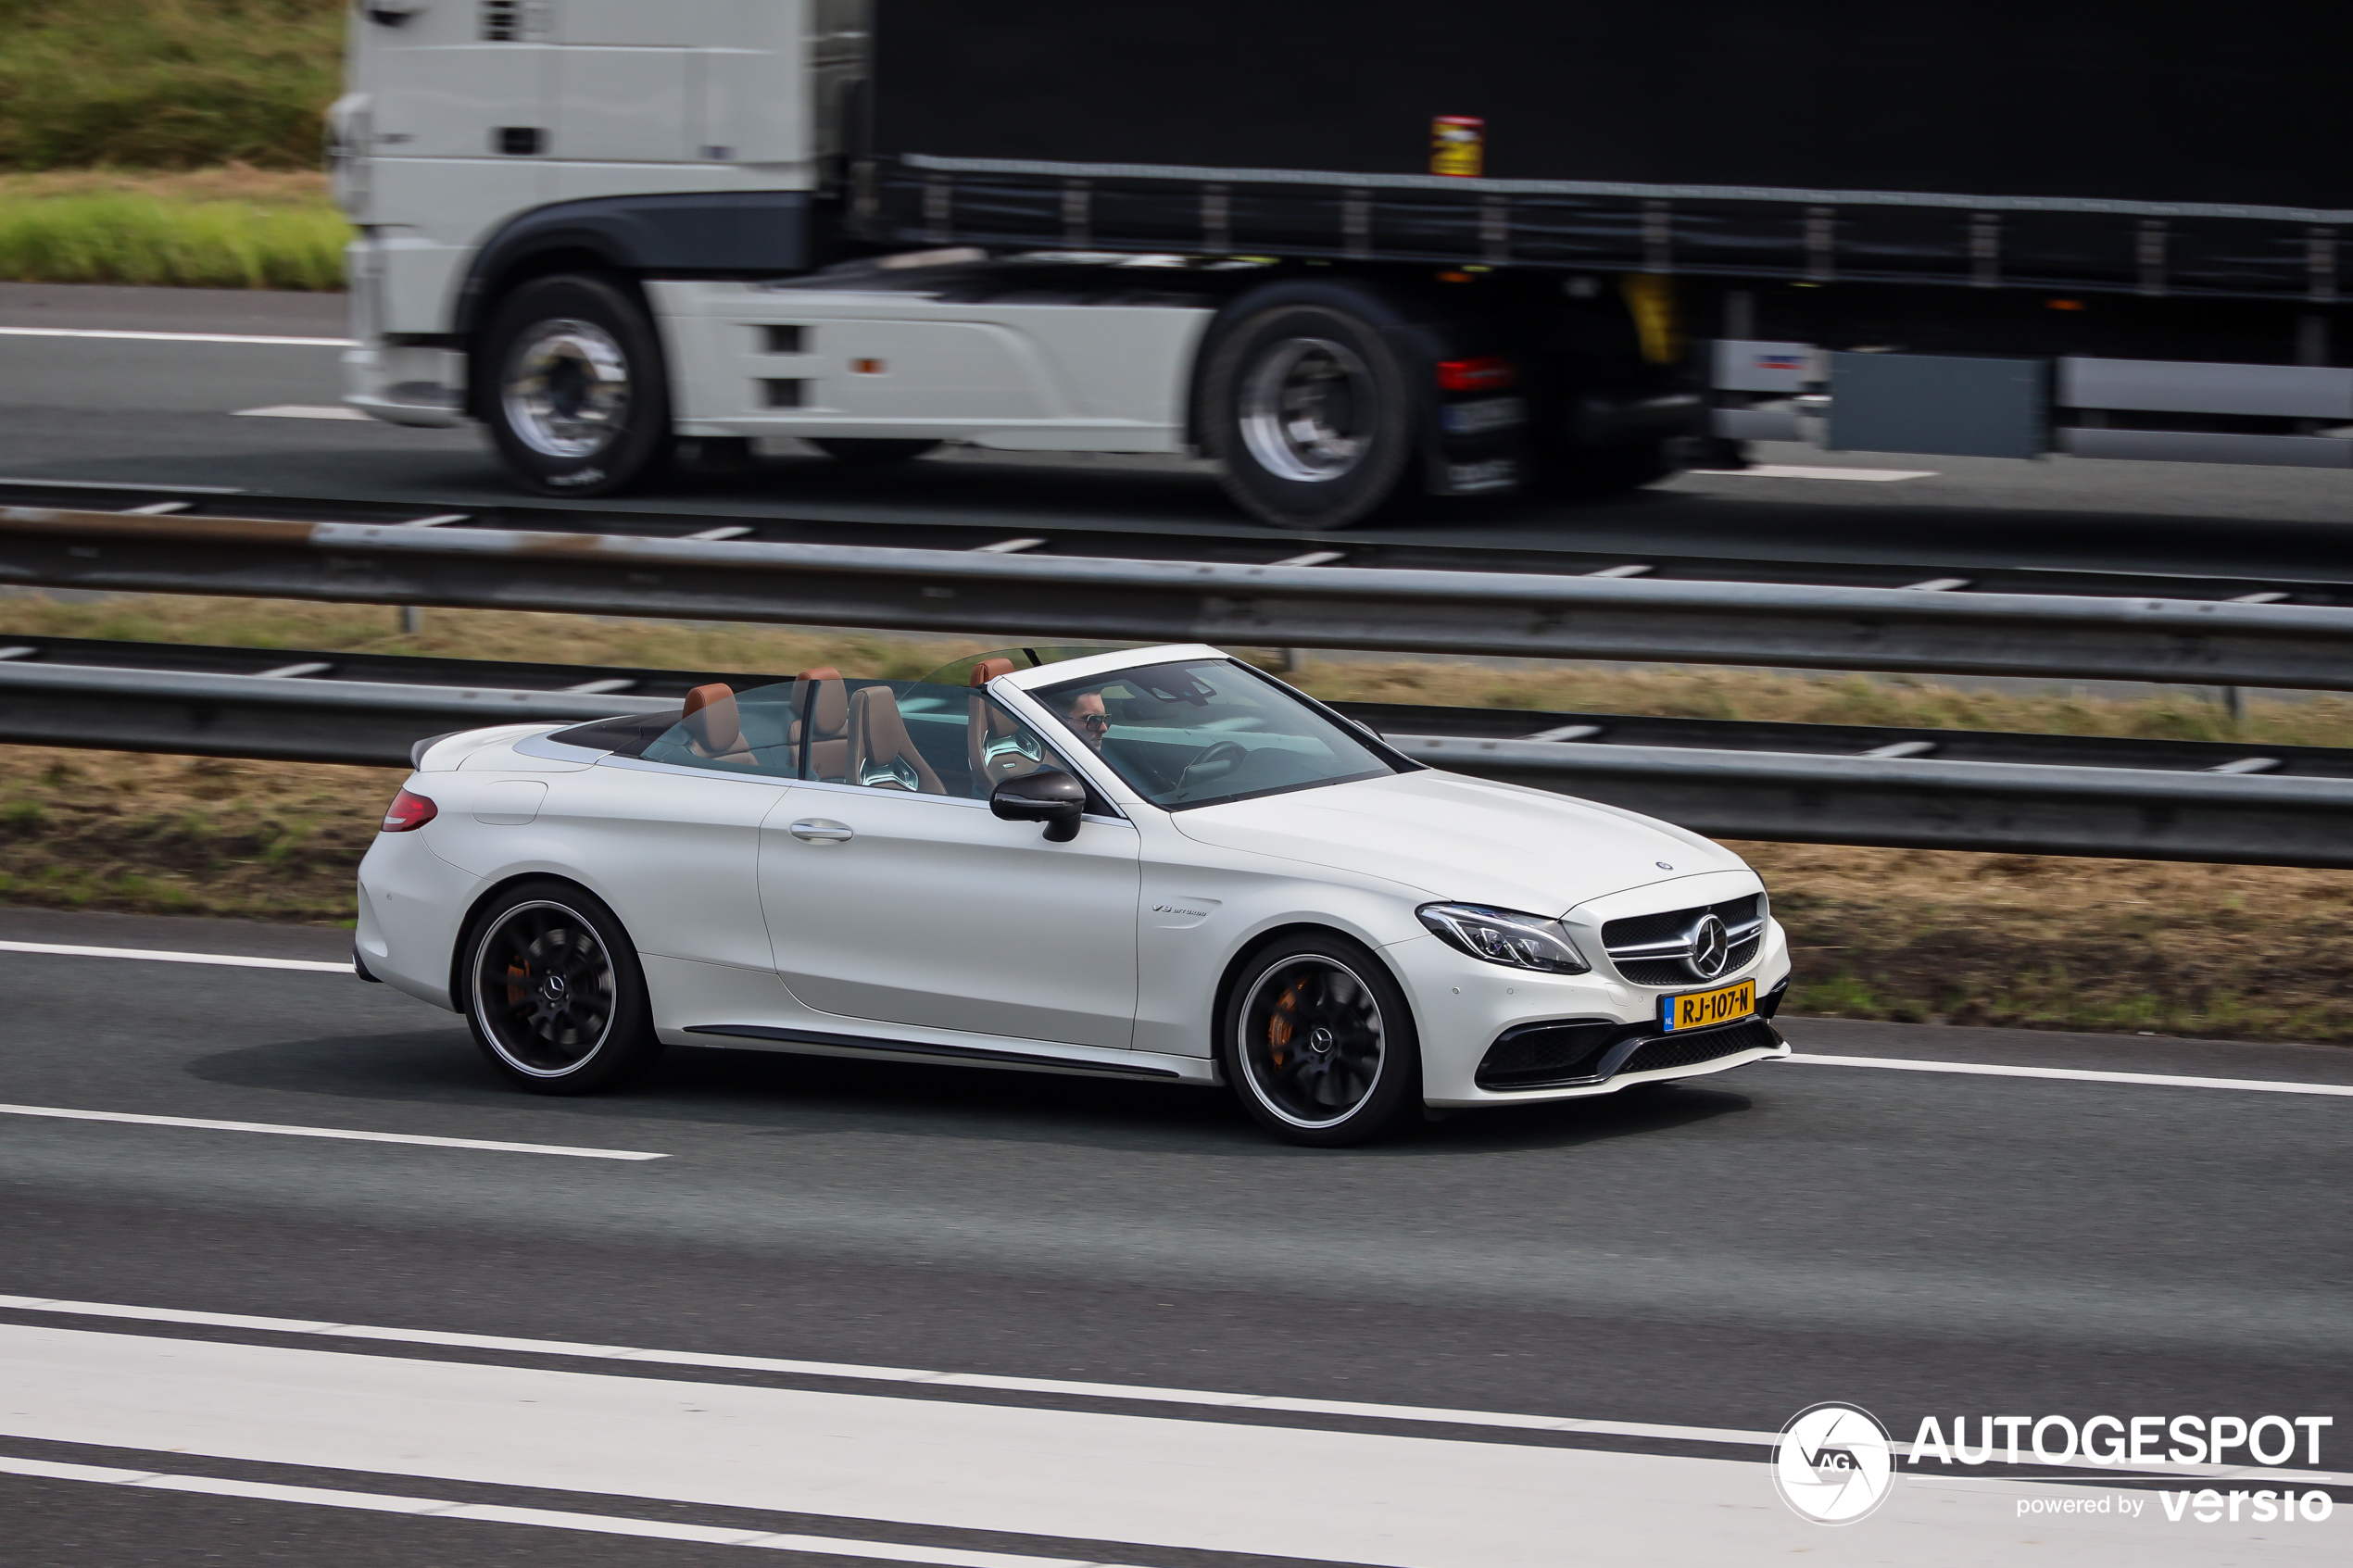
(1154, 863)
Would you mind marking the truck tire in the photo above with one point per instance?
(868, 451)
(1306, 405)
(578, 399)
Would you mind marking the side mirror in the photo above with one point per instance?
(1054, 799)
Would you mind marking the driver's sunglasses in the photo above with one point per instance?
(1098, 722)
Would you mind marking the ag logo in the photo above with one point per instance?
(1833, 1465)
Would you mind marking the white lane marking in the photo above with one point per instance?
(1008, 546)
(545, 1517)
(118, 485)
(208, 1125)
(1133, 1392)
(1139, 1393)
(1798, 471)
(2079, 1074)
(180, 337)
(231, 961)
(1403, 1501)
(301, 411)
(1313, 557)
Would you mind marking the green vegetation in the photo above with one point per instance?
(232, 229)
(166, 84)
(2233, 952)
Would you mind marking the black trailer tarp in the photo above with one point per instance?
(2090, 143)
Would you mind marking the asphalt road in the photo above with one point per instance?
(1711, 1258)
(1591, 1310)
(167, 412)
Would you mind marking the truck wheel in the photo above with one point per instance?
(1307, 406)
(579, 401)
(872, 452)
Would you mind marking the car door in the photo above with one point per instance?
(894, 895)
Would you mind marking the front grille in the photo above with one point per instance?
(1707, 1044)
(1624, 938)
(1539, 1054)
(1674, 922)
(1674, 971)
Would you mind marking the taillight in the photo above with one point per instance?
(409, 810)
(1490, 372)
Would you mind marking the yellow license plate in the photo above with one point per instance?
(1697, 1009)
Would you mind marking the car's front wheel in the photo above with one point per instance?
(1319, 1042)
(554, 992)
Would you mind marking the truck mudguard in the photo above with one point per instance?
(722, 234)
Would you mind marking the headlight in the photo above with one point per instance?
(1505, 936)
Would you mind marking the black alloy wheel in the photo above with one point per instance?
(554, 993)
(576, 393)
(1319, 1044)
(1307, 408)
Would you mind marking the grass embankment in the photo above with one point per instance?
(101, 100)
(233, 228)
(2229, 952)
(166, 84)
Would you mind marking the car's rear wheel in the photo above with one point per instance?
(579, 401)
(554, 992)
(1319, 1042)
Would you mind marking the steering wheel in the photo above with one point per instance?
(1215, 759)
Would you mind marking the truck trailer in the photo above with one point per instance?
(1355, 251)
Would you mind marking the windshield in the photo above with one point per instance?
(1207, 730)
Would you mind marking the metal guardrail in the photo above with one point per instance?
(923, 517)
(1921, 803)
(284, 719)
(2160, 806)
(1018, 597)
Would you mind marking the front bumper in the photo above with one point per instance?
(405, 386)
(1463, 1006)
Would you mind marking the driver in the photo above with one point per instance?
(1087, 720)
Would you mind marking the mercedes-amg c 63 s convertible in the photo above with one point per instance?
(1154, 863)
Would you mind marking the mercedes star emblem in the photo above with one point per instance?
(1710, 948)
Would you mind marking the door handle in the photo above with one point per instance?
(818, 830)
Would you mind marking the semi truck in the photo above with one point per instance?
(1357, 251)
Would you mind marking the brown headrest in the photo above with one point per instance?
(878, 737)
(828, 702)
(877, 729)
(989, 669)
(711, 720)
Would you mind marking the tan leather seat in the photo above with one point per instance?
(820, 737)
(882, 754)
(714, 725)
(997, 747)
